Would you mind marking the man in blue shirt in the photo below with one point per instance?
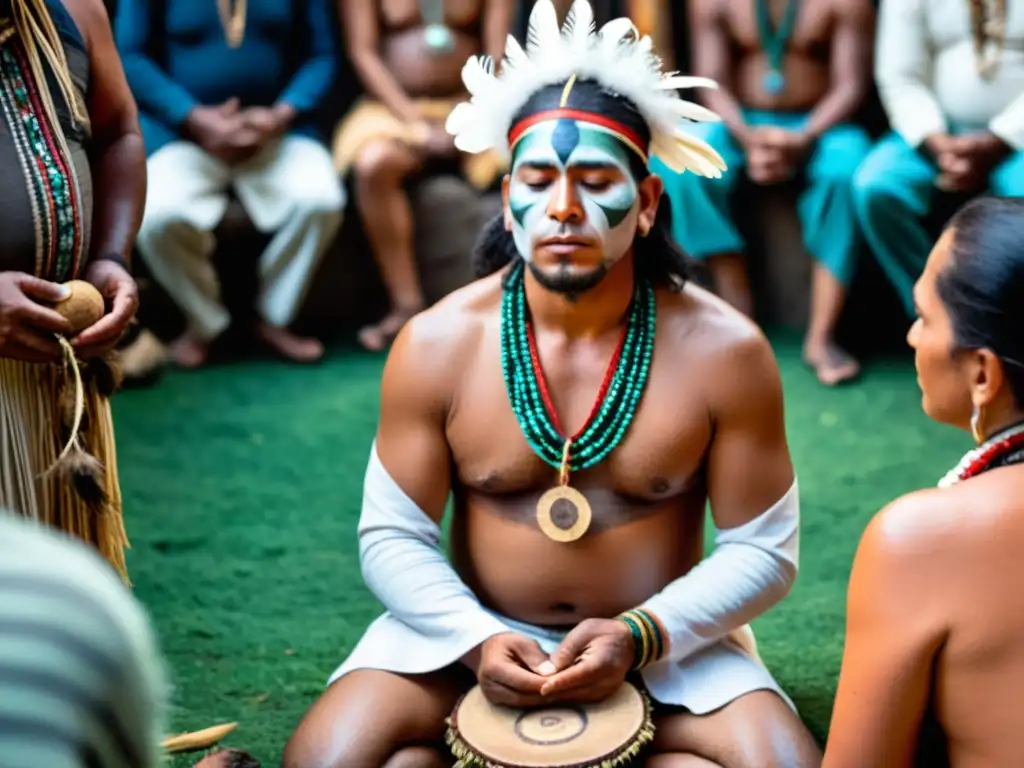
(228, 93)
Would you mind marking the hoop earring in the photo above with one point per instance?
(977, 430)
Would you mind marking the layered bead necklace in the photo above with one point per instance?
(1000, 450)
(563, 513)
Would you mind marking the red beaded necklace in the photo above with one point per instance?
(542, 385)
(981, 458)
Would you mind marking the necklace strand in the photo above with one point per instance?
(618, 398)
(981, 458)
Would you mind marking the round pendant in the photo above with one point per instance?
(439, 38)
(563, 513)
(774, 82)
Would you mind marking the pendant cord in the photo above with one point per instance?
(774, 39)
(432, 12)
(563, 471)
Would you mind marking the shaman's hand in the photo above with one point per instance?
(508, 672)
(591, 663)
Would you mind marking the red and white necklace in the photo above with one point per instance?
(977, 460)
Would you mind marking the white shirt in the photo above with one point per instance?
(928, 77)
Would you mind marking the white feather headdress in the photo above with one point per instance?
(615, 56)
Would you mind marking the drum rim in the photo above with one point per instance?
(468, 756)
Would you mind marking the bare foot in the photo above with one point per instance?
(831, 363)
(189, 351)
(144, 359)
(376, 338)
(296, 348)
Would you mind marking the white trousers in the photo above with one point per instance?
(289, 188)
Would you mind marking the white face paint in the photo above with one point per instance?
(563, 164)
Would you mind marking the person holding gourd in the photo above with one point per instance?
(74, 165)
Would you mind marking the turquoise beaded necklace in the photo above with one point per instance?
(563, 513)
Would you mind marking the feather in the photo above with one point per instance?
(106, 371)
(84, 472)
(460, 118)
(617, 30)
(475, 75)
(616, 56)
(695, 112)
(543, 30)
(701, 149)
(515, 57)
(676, 82)
(579, 25)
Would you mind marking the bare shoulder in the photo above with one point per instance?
(703, 333)
(90, 16)
(919, 530)
(438, 343)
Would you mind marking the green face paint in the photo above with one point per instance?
(566, 150)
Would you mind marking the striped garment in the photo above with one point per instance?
(82, 683)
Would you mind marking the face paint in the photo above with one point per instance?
(557, 161)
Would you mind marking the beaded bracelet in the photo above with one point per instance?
(648, 643)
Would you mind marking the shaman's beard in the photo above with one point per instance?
(568, 282)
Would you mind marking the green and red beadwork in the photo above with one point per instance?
(563, 513)
(48, 170)
(617, 402)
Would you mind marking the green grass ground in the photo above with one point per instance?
(242, 489)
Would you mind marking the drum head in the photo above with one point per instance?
(559, 736)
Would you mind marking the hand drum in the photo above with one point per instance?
(603, 735)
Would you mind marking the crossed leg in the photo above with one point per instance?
(347, 727)
(757, 730)
(374, 719)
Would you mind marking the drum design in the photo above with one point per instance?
(603, 735)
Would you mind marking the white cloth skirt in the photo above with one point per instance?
(702, 683)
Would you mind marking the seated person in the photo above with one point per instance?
(229, 104)
(410, 67)
(792, 74)
(580, 268)
(934, 656)
(951, 77)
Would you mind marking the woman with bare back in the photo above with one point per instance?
(934, 655)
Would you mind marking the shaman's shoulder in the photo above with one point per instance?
(448, 333)
(701, 329)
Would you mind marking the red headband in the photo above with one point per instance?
(626, 135)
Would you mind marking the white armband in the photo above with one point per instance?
(405, 568)
(751, 569)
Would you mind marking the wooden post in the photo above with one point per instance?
(652, 18)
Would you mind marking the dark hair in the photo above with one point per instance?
(657, 256)
(982, 287)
